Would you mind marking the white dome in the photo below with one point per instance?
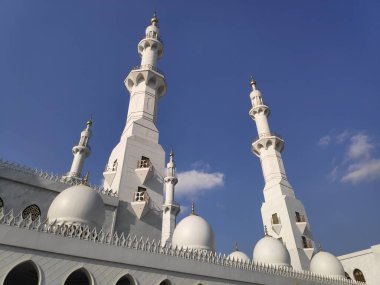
(238, 255)
(79, 205)
(270, 250)
(327, 264)
(194, 232)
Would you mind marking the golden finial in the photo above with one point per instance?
(154, 20)
(89, 122)
(253, 81)
(193, 208)
(236, 247)
(85, 178)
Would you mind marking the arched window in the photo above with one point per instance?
(347, 276)
(358, 275)
(1, 203)
(125, 280)
(24, 273)
(79, 277)
(165, 282)
(32, 210)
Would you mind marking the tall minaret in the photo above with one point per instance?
(80, 151)
(136, 166)
(170, 209)
(283, 215)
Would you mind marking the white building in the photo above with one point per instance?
(61, 230)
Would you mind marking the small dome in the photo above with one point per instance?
(270, 250)
(152, 31)
(194, 232)
(79, 205)
(327, 264)
(238, 255)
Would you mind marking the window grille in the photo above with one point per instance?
(32, 210)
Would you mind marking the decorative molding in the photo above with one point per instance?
(52, 177)
(155, 247)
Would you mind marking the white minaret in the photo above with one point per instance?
(136, 166)
(80, 151)
(283, 215)
(170, 209)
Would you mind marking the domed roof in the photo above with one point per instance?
(239, 255)
(325, 263)
(79, 205)
(270, 250)
(194, 232)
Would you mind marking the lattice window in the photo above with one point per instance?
(141, 195)
(32, 210)
(358, 275)
(275, 219)
(144, 162)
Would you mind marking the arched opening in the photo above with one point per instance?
(24, 273)
(125, 280)
(347, 276)
(78, 277)
(1, 204)
(165, 282)
(32, 210)
(358, 275)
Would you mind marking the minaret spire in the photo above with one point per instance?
(283, 215)
(80, 151)
(170, 207)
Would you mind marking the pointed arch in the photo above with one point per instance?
(165, 282)
(32, 210)
(140, 78)
(26, 272)
(126, 279)
(79, 276)
(358, 275)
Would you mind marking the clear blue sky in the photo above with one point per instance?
(317, 64)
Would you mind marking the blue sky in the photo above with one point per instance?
(317, 64)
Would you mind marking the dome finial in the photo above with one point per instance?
(85, 178)
(154, 19)
(171, 152)
(193, 208)
(236, 247)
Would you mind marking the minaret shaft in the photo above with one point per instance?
(135, 168)
(170, 208)
(283, 215)
(80, 151)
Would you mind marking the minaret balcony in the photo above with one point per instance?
(259, 109)
(144, 170)
(148, 75)
(266, 141)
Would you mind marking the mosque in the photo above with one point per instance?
(62, 230)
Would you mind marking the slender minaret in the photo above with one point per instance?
(136, 166)
(170, 208)
(283, 215)
(80, 151)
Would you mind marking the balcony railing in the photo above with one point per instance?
(141, 196)
(148, 66)
(266, 135)
(154, 37)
